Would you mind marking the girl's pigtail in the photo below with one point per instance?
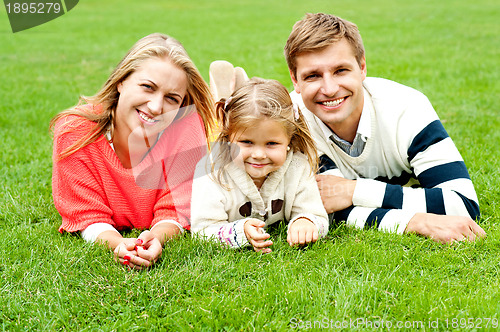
(302, 140)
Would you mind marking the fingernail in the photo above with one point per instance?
(139, 242)
(126, 262)
(135, 248)
(126, 257)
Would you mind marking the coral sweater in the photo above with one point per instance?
(91, 185)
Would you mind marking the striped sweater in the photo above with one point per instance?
(409, 163)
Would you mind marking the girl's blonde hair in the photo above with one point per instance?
(260, 98)
(155, 45)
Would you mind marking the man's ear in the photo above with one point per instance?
(294, 81)
(362, 65)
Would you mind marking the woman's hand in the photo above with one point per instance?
(256, 235)
(136, 253)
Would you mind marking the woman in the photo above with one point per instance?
(125, 157)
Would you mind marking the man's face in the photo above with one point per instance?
(330, 83)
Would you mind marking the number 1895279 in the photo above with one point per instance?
(33, 7)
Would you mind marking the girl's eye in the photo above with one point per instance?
(246, 142)
(272, 143)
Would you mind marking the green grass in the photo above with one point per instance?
(48, 281)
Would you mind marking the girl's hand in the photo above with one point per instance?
(256, 235)
(301, 232)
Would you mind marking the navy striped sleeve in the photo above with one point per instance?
(326, 163)
(472, 206)
(375, 218)
(432, 134)
(342, 215)
(393, 197)
(434, 201)
(442, 173)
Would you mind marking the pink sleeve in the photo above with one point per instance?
(182, 146)
(77, 195)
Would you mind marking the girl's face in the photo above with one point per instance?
(150, 98)
(260, 149)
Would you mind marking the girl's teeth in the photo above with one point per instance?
(333, 102)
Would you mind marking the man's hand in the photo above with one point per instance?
(302, 232)
(445, 229)
(256, 235)
(336, 192)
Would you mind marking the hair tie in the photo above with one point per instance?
(228, 100)
(296, 112)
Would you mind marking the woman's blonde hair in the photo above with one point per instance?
(260, 98)
(155, 45)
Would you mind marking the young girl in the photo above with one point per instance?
(262, 171)
(125, 158)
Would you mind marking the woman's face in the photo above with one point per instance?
(149, 100)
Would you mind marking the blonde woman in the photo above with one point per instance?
(125, 158)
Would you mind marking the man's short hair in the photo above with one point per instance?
(318, 31)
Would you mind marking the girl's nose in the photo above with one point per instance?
(258, 153)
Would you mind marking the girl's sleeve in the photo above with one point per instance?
(209, 217)
(307, 202)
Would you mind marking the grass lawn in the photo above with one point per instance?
(353, 279)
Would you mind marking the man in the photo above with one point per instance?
(377, 140)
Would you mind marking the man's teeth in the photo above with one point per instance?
(146, 118)
(332, 103)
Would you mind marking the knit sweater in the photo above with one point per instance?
(289, 193)
(409, 163)
(91, 185)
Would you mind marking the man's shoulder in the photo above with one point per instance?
(382, 89)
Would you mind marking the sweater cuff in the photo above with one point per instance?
(321, 223)
(395, 221)
(169, 221)
(91, 233)
(369, 193)
(239, 230)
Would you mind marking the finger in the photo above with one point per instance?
(257, 236)
(315, 235)
(139, 261)
(476, 229)
(302, 237)
(152, 253)
(309, 237)
(262, 250)
(144, 238)
(262, 244)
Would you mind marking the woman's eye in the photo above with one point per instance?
(172, 99)
(147, 86)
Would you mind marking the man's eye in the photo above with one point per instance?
(312, 76)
